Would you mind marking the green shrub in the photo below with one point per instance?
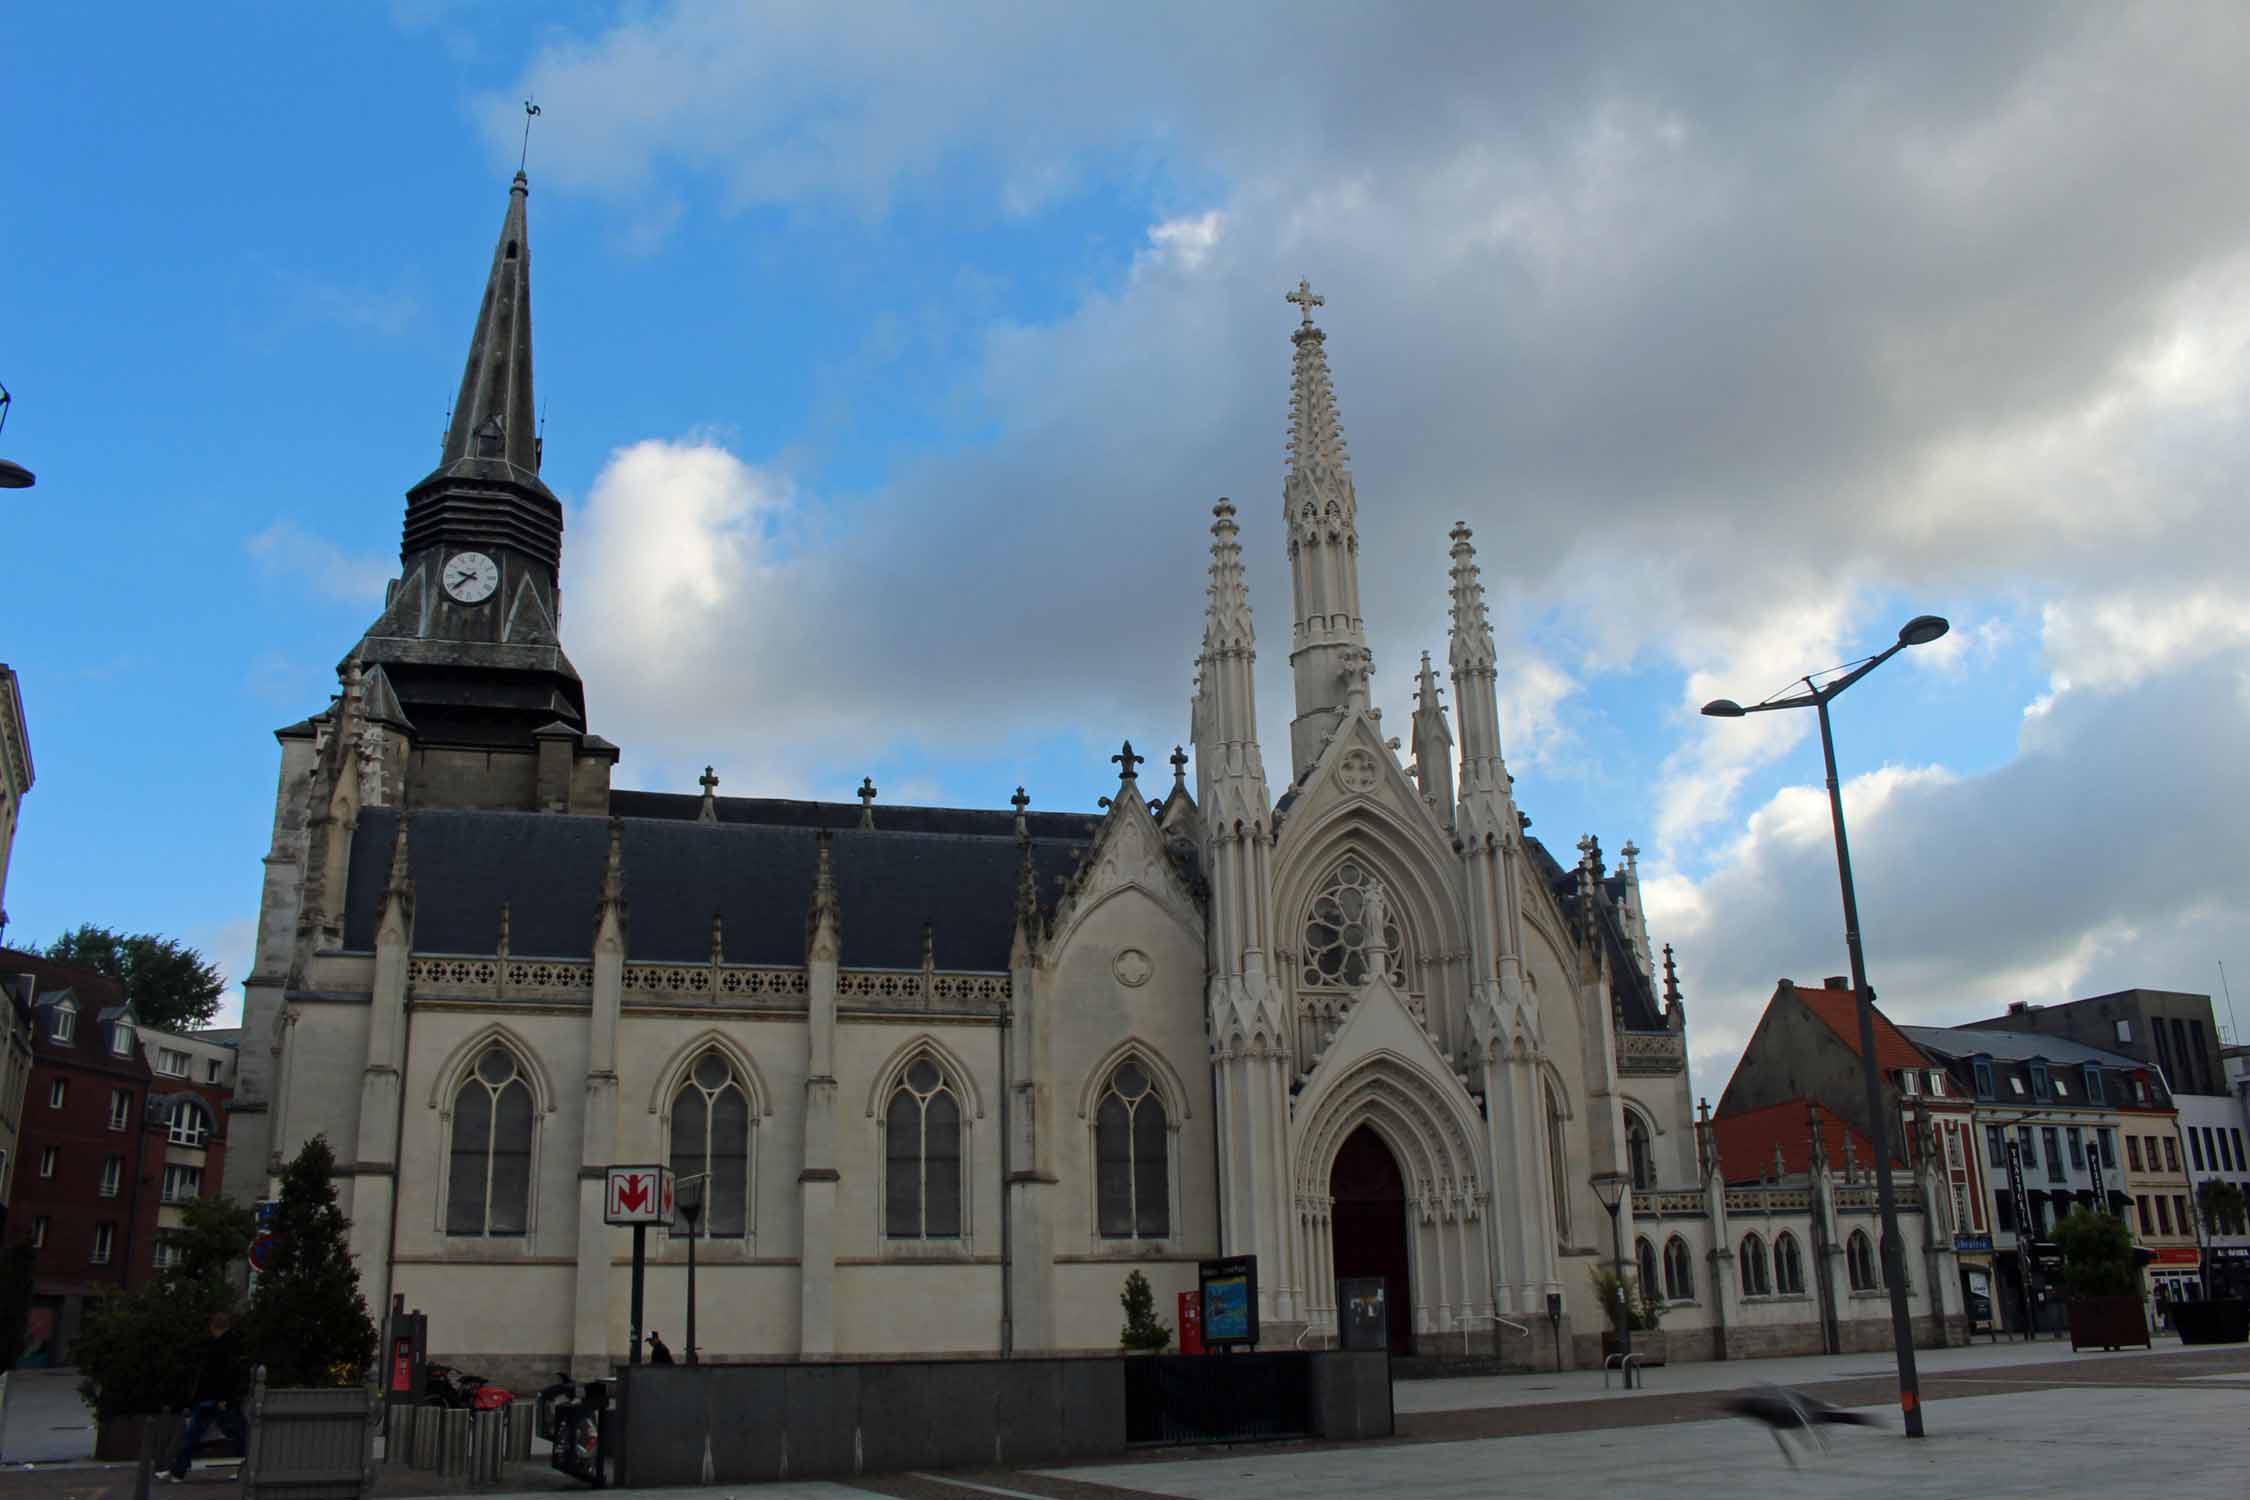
(1646, 1312)
(2097, 1252)
(1143, 1328)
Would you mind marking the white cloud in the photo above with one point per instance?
(286, 550)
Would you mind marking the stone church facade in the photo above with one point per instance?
(949, 1074)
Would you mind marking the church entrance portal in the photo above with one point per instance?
(1370, 1219)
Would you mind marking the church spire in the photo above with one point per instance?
(493, 417)
(1433, 744)
(1475, 696)
(1329, 648)
(1228, 765)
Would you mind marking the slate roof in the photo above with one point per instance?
(776, 812)
(1635, 996)
(2015, 1046)
(757, 878)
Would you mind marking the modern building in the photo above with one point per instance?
(15, 774)
(1806, 1048)
(192, 1086)
(87, 1196)
(2176, 1034)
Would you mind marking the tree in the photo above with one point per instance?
(1646, 1312)
(2222, 1205)
(142, 1352)
(2097, 1252)
(308, 1323)
(1143, 1329)
(169, 985)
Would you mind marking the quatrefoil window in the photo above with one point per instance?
(1336, 934)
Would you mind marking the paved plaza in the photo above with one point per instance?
(2003, 1420)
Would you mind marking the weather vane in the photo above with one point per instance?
(530, 113)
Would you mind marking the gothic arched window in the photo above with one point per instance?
(1336, 939)
(488, 1189)
(1557, 1167)
(1638, 1154)
(1859, 1261)
(922, 1156)
(1788, 1267)
(711, 1135)
(1132, 1155)
(1755, 1281)
(1679, 1270)
(1644, 1259)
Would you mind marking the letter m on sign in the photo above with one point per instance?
(638, 1195)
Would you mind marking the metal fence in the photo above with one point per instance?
(310, 1444)
(1218, 1398)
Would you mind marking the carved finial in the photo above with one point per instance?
(1631, 854)
(1019, 802)
(613, 873)
(502, 947)
(867, 802)
(1851, 1159)
(1590, 854)
(709, 812)
(401, 864)
(718, 941)
(1179, 766)
(824, 921)
(929, 944)
(1306, 299)
(1128, 760)
(1779, 1167)
(1819, 1145)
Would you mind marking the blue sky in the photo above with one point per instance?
(892, 363)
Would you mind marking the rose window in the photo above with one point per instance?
(1336, 934)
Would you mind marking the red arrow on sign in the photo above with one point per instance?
(632, 1193)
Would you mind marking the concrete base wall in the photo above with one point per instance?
(1781, 1340)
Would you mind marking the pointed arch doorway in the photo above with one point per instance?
(1370, 1226)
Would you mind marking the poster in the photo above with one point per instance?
(1978, 1284)
(1230, 1301)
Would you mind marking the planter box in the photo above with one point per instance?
(2108, 1323)
(2225, 1320)
(118, 1440)
(1648, 1345)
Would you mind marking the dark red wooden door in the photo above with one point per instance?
(1371, 1226)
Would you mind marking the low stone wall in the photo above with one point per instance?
(1781, 1340)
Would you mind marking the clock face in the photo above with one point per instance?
(471, 577)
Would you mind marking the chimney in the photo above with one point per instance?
(1838, 982)
(2017, 1007)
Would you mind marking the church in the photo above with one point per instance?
(949, 1075)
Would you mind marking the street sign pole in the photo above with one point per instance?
(640, 1268)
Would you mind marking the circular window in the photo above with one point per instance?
(496, 1066)
(1336, 935)
(922, 1077)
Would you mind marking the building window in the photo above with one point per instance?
(1983, 1072)
(2133, 1152)
(56, 1092)
(47, 1160)
(2195, 1148)
(39, 1233)
(2163, 1215)
(2234, 1136)
(922, 1157)
(66, 1022)
(1679, 1270)
(105, 1235)
(1336, 941)
(1910, 1082)
(2015, 1082)
(1755, 1281)
(189, 1125)
(171, 1062)
(1558, 1177)
(2029, 1145)
(1133, 1155)
(1937, 1083)
(2054, 1153)
(2140, 1209)
(1788, 1267)
(2109, 1147)
(182, 1184)
(1995, 1147)
(167, 1253)
(488, 1188)
(2077, 1140)
(711, 1125)
(1644, 1261)
(1859, 1261)
(2094, 1085)
(1638, 1156)
(2004, 1219)
(2062, 1086)
(2180, 1213)
(2038, 1080)
(121, 1040)
(113, 1175)
(213, 1069)
(2171, 1155)
(120, 1108)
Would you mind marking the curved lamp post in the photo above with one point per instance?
(1611, 1188)
(1919, 631)
(13, 476)
(687, 1197)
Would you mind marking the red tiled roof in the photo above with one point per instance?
(1746, 1141)
(1841, 1011)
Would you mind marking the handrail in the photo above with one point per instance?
(1466, 1318)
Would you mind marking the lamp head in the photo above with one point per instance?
(1919, 631)
(1610, 1188)
(1723, 708)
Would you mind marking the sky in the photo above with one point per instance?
(893, 356)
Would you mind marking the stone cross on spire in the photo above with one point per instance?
(1306, 298)
(867, 802)
(1019, 802)
(709, 812)
(1128, 760)
(1179, 765)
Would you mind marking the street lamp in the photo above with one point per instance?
(1611, 1188)
(13, 476)
(687, 1197)
(1919, 631)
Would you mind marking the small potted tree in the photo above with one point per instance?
(2215, 1320)
(1144, 1332)
(1645, 1312)
(2105, 1292)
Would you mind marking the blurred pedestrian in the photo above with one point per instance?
(220, 1376)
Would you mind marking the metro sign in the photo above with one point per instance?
(638, 1195)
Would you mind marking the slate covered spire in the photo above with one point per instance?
(494, 415)
(1328, 654)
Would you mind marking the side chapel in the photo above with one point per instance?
(952, 1073)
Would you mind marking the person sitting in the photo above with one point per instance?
(659, 1353)
(219, 1379)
